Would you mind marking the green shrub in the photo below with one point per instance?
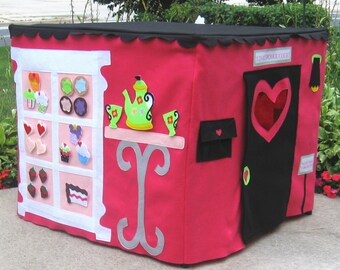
(8, 152)
(284, 15)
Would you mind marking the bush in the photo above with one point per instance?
(284, 15)
(8, 152)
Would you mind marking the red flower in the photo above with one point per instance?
(4, 173)
(326, 176)
(336, 177)
(331, 193)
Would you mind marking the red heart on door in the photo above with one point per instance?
(270, 107)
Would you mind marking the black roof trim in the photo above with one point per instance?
(187, 35)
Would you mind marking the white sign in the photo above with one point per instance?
(272, 56)
(306, 164)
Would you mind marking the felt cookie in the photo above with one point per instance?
(42, 175)
(80, 85)
(43, 192)
(31, 190)
(41, 127)
(41, 147)
(80, 106)
(30, 144)
(66, 86)
(32, 174)
(65, 105)
(28, 128)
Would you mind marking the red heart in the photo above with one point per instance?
(219, 132)
(270, 107)
(28, 128)
(41, 128)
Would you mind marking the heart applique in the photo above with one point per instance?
(218, 132)
(28, 128)
(30, 144)
(41, 127)
(41, 147)
(270, 107)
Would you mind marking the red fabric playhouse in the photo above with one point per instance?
(177, 141)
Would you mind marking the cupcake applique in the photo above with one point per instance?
(83, 153)
(75, 133)
(29, 96)
(65, 152)
(42, 101)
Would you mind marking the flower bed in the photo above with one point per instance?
(328, 184)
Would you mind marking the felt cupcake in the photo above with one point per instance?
(42, 101)
(29, 96)
(65, 152)
(75, 133)
(83, 153)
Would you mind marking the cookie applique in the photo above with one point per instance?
(66, 86)
(41, 128)
(80, 106)
(80, 85)
(41, 147)
(66, 105)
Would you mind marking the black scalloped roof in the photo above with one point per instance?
(187, 35)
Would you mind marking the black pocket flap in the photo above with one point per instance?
(217, 130)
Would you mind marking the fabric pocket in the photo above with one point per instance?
(215, 139)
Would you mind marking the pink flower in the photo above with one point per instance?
(336, 177)
(326, 176)
(331, 193)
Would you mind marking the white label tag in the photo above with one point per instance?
(272, 56)
(306, 164)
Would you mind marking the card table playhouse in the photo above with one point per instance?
(177, 141)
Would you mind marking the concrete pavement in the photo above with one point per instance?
(304, 243)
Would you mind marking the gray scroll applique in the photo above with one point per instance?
(142, 164)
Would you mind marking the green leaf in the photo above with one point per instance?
(2, 136)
